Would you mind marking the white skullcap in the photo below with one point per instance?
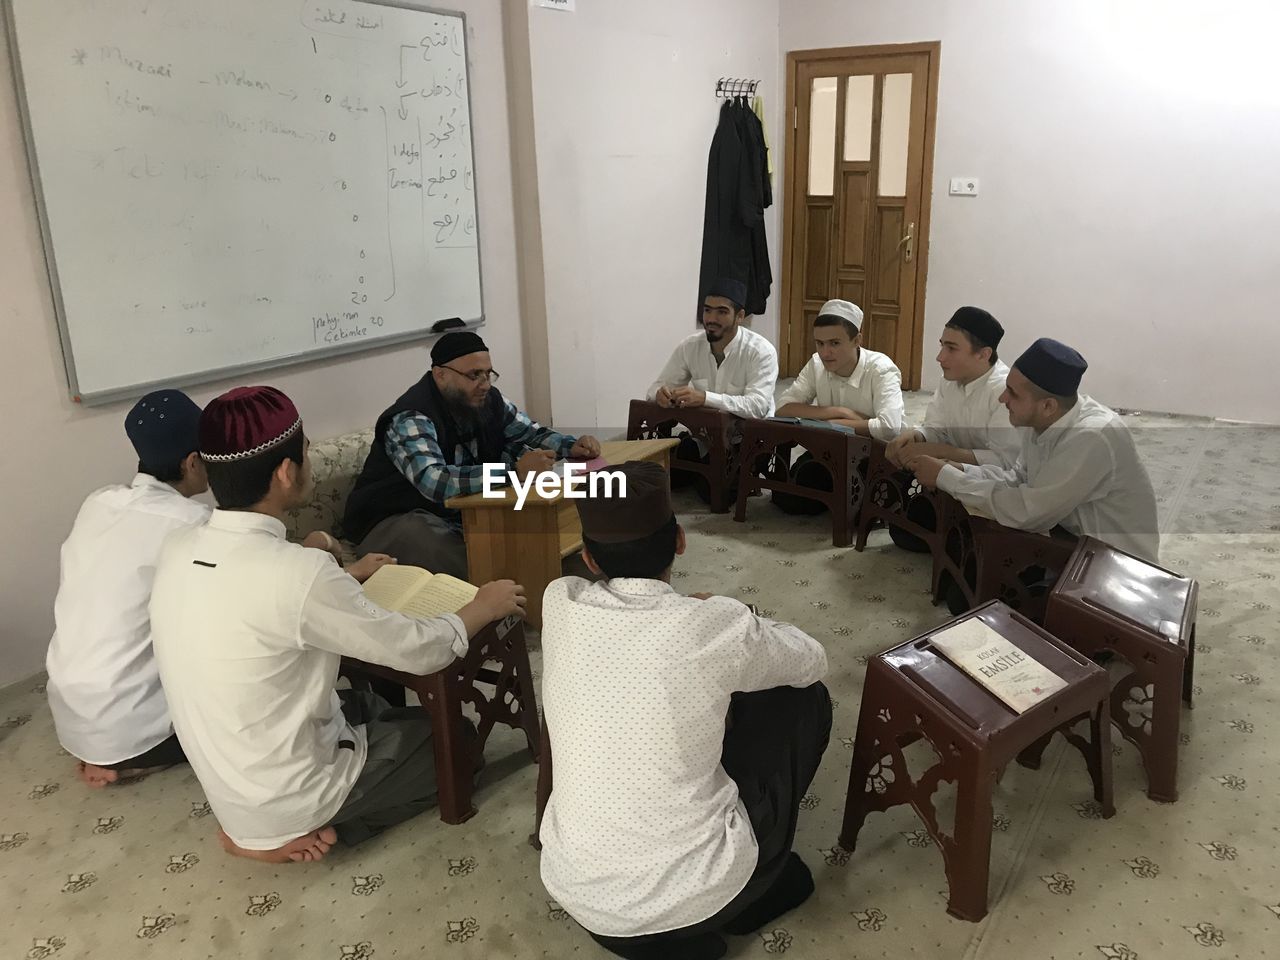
(844, 310)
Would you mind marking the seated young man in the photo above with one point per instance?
(249, 631)
(965, 421)
(726, 367)
(846, 385)
(1078, 469)
(684, 731)
(104, 691)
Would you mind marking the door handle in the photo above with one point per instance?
(909, 241)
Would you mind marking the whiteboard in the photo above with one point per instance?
(236, 185)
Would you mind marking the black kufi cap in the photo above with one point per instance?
(644, 510)
(982, 326)
(454, 345)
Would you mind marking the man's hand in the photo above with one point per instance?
(926, 469)
(893, 451)
(587, 448)
(368, 565)
(701, 596)
(535, 461)
(664, 398)
(500, 598)
(688, 397)
(319, 540)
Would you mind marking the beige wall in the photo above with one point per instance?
(1126, 153)
(623, 110)
(55, 452)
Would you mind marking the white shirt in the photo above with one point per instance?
(249, 630)
(970, 416)
(874, 388)
(104, 686)
(742, 384)
(644, 831)
(1084, 473)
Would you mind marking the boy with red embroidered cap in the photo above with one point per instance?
(249, 633)
(104, 687)
(663, 829)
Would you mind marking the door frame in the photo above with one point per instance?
(790, 270)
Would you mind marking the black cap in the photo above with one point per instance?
(980, 325)
(644, 510)
(454, 345)
(734, 290)
(1052, 366)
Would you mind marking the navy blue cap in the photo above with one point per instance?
(164, 426)
(1052, 366)
(734, 290)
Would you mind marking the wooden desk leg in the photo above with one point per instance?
(519, 545)
(452, 745)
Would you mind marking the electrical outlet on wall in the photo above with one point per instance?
(964, 187)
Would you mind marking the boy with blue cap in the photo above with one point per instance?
(1078, 469)
(104, 687)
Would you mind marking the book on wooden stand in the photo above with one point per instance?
(417, 592)
(1007, 671)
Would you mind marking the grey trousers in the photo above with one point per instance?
(421, 539)
(399, 776)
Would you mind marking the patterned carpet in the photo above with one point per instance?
(136, 871)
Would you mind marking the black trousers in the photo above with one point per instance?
(164, 754)
(772, 749)
(687, 449)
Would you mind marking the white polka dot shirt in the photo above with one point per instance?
(644, 831)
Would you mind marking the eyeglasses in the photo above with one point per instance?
(476, 375)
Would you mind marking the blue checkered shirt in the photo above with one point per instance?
(413, 447)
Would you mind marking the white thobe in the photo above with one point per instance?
(742, 384)
(104, 687)
(644, 831)
(249, 631)
(970, 416)
(874, 389)
(1083, 472)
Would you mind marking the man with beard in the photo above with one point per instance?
(726, 367)
(431, 445)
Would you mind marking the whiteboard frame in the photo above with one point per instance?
(115, 394)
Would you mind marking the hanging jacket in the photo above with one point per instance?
(738, 190)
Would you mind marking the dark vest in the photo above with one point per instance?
(382, 491)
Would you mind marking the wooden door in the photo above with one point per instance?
(855, 222)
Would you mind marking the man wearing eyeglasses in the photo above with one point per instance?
(431, 444)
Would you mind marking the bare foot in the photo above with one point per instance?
(95, 776)
(306, 849)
